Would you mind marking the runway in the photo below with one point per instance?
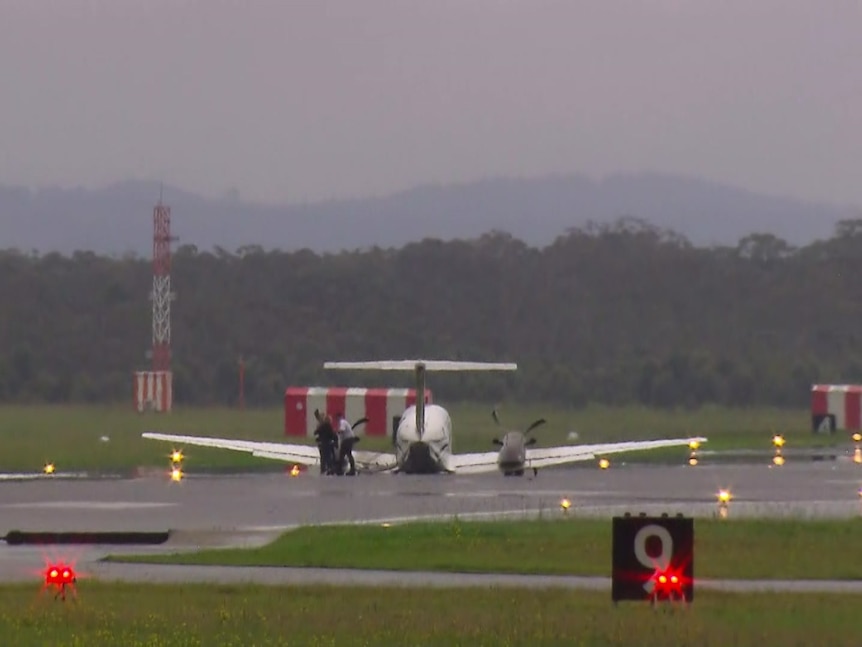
(250, 510)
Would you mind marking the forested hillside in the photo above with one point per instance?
(614, 314)
(117, 218)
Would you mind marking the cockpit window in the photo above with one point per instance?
(510, 438)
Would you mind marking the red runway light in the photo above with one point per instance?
(668, 584)
(60, 577)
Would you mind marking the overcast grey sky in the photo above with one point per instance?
(291, 101)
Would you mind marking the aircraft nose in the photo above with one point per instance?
(506, 455)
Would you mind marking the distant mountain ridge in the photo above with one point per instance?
(118, 219)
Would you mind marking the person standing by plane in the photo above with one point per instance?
(335, 467)
(326, 441)
(346, 439)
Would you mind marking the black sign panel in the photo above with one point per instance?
(653, 558)
(823, 423)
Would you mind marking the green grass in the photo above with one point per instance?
(746, 549)
(236, 616)
(69, 435)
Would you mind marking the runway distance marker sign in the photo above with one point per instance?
(653, 559)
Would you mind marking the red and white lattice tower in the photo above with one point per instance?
(154, 388)
(162, 295)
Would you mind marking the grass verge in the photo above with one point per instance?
(70, 436)
(167, 616)
(744, 548)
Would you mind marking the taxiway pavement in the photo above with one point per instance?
(204, 511)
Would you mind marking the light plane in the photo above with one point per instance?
(423, 436)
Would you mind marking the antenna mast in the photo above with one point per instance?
(162, 295)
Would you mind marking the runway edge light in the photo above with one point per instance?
(60, 576)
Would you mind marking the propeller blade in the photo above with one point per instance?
(537, 423)
(495, 416)
(497, 441)
(359, 422)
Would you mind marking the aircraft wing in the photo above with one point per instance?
(545, 457)
(302, 454)
(473, 463)
(289, 453)
(487, 461)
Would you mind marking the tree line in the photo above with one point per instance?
(617, 314)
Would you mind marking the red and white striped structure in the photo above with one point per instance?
(153, 391)
(154, 388)
(836, 407)
(380, 406)
(161, 294)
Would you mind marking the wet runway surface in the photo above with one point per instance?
(250, 510)
(278, 500)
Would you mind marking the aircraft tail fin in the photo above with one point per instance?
(419, 368)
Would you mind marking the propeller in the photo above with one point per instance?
(530, 441)
(536, 423)
(358, 423)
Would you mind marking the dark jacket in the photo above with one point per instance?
(325, 434)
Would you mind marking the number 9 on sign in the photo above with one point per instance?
(656, 563)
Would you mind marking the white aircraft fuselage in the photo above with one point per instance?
(427, 452)
(431, 453)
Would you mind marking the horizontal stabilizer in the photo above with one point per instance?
(428, 364)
